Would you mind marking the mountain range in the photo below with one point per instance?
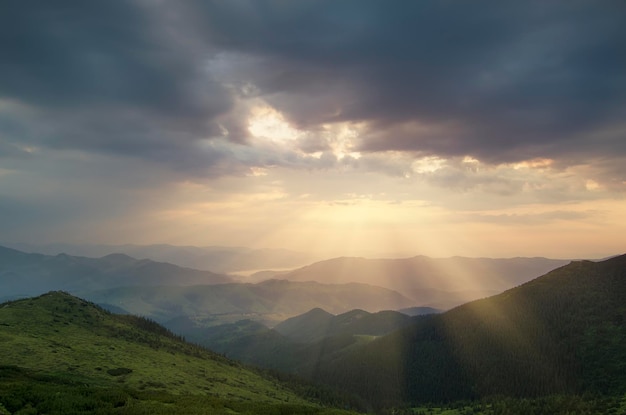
(221, 259)
(26, 274)
(562, 334)
(298, 344)
(555, 344)
(437, 282)
(270, 301)
(165, 291)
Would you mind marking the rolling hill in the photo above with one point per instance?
(61, 354)
(298, 344)
(317, 324)
(24, 274)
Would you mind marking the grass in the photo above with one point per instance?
(549, 405)
(59, 344)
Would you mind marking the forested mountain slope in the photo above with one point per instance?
(564, 332)
(298, 344)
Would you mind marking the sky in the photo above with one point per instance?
(351, 127)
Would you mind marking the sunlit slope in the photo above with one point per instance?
(564, 332)
(58, 336)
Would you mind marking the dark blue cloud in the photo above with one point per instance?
(516, 79)
(72, 53)
(497, 81)
(111, 77)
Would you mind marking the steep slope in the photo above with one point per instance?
(33, 274)
(59, 342)
(438, 282)
(561, 333)
(269, 302)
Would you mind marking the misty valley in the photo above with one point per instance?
(419, 335)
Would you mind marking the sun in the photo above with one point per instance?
(267, 123)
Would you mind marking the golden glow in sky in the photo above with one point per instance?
(340, 130)
(333, 214)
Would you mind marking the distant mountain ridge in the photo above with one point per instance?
(270, 301)
(209, 258)
(440, 283)
(436, 282)
(24, 274)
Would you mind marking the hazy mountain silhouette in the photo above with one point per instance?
(269, 302)
(23, 274)
(435, 282)
(210, 258)
(419, 311)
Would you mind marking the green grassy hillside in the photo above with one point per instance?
(57, 348)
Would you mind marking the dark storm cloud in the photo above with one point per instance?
(497, 81)
(72, 53)
(115, 77)
(501, 81)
